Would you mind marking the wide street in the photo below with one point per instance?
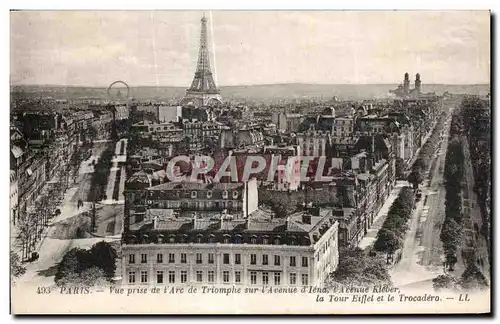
(421, 256)
(61, 234)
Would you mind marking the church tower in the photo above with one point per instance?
(406, 84)
(418, 83)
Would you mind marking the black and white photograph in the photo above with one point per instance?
(250, 162)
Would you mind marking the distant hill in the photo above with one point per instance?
(252, 92)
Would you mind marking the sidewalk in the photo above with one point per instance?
(379, 220)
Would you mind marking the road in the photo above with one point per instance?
(61, 234)
(422, 248)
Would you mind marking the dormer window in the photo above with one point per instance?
(209, 194)
(235, 194)
(277, 240)
(253, 240)
(171, 239)
(224, 194)
(265, 240)
(227, 239)
(194, 194)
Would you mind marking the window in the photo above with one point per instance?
(235, 194)
(305, 279)
(237, 258)
(292, 261)
(183, 258)
(194, 194)
(253, 240)
(211, 258)
(183, 276)
(131, 277)
(131, 258)
(277, 278)
(227, 239)
(171, 277)
(199, 276)
(265, 278)
(209, 194)
(224, 194)
(159, 277)
(265, 240)
(277, 241)
(304, 262)
(225, 276)
(199, 258)
(265, 259)
(253, 277)
(293, 278)
(171, 258)
(144, 276)
(211, 276)
(237, 276)
(226, 258)
(277, 260)
(144, 258)
(159, 258)
(253, 258)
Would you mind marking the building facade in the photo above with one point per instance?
(299, 251)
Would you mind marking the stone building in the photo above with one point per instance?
(257, 250)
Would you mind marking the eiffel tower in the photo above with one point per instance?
(203, 91)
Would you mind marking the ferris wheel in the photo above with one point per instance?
(118, 90)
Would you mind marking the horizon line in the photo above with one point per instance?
(236, 85)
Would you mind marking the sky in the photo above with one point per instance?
(160, 48)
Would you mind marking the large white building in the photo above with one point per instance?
(299, 251)
(191, 233)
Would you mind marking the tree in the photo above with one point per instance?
(473, 278)
(357, 268)
(16, 269)
(74, 261)
(400, 168)
(445, 282)
(416, 178)
(91, 277)
(104, 257)
(451, 233)
(387, 241)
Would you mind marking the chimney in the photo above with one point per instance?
(306, 218)
(369, 163)
(362, 164)
(155, 222)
